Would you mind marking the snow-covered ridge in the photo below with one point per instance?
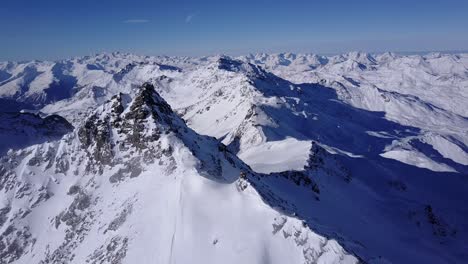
(133, 184)
(433, 77)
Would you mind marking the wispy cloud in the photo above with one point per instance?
(136, 21)
(190, 17)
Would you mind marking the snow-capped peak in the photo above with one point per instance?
(133, 179)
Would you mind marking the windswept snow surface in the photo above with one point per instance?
(369, 150)
(415, 158)
(277, 156)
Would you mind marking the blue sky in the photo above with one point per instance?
(52, 29)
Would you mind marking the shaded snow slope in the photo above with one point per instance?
(19, 130)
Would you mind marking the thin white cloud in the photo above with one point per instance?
(136, 21)
(189, 17)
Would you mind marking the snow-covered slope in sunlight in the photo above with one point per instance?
(134, 184)
(277, 156)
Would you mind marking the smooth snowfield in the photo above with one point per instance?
(415, 158)
(277, 156)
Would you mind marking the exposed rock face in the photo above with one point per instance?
(320, 159)
(122, 131)
(118, 76)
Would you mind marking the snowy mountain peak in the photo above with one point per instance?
(147, 99)
(250, 70)
(125, 125)
(362, 57)
(132, 179)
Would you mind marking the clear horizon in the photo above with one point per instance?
(52, 29)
